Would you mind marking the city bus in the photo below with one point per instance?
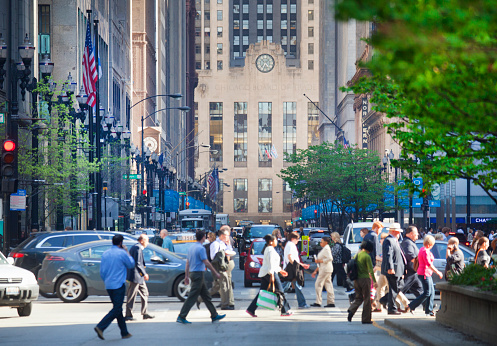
(193, 219)
(222, 219)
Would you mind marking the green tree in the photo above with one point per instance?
(60, 160)
(434, 73)
(349, 180)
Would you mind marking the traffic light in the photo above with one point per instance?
(144, 192)
(8, 170)
(424, 193)
(187, 205)
(8, 158)
(315, 213)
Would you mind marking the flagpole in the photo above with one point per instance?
(98, 126)
(90, 156)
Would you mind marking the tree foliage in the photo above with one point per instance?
(350, 178)
(434, 73)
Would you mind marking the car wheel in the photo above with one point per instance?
(25, 310)
(246, 283)
(181, 289)
(48, 295)
(241, 262)
(71, 289)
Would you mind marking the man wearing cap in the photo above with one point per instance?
(393, 267)
(372, 237)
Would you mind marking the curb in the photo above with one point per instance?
(410, 333)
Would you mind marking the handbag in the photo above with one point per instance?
(416, 264)
(267, 299)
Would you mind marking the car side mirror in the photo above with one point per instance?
(10, 260)
(157, 259)
(243, 254)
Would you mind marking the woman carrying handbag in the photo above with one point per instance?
(270, 281)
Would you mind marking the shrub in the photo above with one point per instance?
(478, 276)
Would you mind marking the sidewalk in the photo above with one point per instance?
(428, 332)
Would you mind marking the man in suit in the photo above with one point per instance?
(411, 281)
(137, 277)
(393, 267)
(372, 236)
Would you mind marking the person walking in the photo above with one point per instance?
(408, 245)
(362, 284)
(291, 256)
(223, 262)
(338, 264)
(137, 277)
(482, 256)
(425, 271)
(113, 269)
(166, 242)
(393, 267)
(372, 236)
(455, 259)
(270, 280)
(194, 271)
(324, 261)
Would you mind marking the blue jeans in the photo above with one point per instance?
(117, 299)
(298, 291)
(427, 296)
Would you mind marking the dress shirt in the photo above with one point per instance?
(113, 267)
(270, 263)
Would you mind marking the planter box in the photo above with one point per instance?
(468, 310)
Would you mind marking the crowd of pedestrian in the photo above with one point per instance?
(385, 271)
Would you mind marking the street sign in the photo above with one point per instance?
(18, 200)
(138, 219)
(132, 176)
(125, 176)
(2, 118)
(182, 193)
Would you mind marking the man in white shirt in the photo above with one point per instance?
(222, 243)
(290, 255)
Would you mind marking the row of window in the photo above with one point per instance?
(267, 151)
(265, 199)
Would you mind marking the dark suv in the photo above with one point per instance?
(249, 234)
(31, 252)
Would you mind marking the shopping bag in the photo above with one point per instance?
(267, 300)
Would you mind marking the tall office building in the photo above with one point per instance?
(255, 61)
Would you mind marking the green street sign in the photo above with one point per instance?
(2, 118)
(125, 176)
(135, 176)
(182, 193)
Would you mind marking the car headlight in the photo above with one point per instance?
(254, 265)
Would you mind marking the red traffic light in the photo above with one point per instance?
(144, 192)
(9, 145)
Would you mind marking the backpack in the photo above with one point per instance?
(346, 254)
(352, 271)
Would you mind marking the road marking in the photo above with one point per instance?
(392, 334)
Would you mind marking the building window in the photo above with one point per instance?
(207, 49)
(310, 48)
(289, 127)
(207, 65)
(260, 24)
(269, 8)
(198, 49)
(240, 194)
(219, 64)
(240, 205)
(240, 185)
(198, 65)
(245, 8)
(219, 1)
(287, 198)
(266, 205)
(216, 131)
(312, 124)
(310, 65)
(219, 48)
(219, 31)
(269, 24)
(265, 196)
(265, 133)
(245, 24)
(284, 8)
(310, 31)
(207, 15)
(220, 15)
(236, 8)
(311, 2)
(310, 15)
(284, 25)
(265, 185)
(44, 29)
(236, 24)
(260, 8)
(240, 132)
(293, 8)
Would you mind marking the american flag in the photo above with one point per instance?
(213, 182)
(90, 75)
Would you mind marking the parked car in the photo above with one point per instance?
(74, 273)
(31, 252)
(352, 236)
(253, 263)
(315, 236)
(439, 251)
(18, 287)
(249, 234)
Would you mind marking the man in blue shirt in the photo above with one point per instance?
(194, 270)
(166, 242)
(113, 269)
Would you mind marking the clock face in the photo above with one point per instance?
(151, 143)
(265, 63)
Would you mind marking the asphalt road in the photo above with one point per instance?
(53, 322)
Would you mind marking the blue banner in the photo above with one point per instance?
(171, 201)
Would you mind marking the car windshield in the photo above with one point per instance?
(257, 248)
(355, 236)
(2, 259)
(317, 234)
(259, 232)
(191, 224)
